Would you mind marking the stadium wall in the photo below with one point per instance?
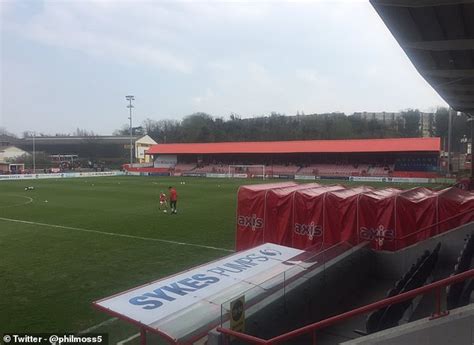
(59, 175)
(140, 172)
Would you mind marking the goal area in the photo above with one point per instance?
(250, 170)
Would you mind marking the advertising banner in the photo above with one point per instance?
(251, 213)
(191, 174)
(59, 175)
(153, 302)
(341, 213)
(416, 209)
(308, 225)
(304, 177)
(376, 218)
(165, 161)
(456, 207)
(213, 175)
(279, 213)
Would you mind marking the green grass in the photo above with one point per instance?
(49, 276)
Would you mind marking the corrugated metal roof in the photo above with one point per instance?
(306, 146)
(438, 38)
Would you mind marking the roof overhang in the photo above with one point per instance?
(438, 38)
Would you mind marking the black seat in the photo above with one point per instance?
(465, 298)
(455, 291)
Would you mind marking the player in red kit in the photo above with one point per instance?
(173, 199)
(163, 203)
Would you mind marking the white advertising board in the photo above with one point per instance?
(165, 161)
(58, 175)
(158, 300)
(213, 175)
(391, 179)
(304, 177)
(240, 175)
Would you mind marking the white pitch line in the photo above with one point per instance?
(30, 200)
(128, 339)
(104, 323)
(117, 235)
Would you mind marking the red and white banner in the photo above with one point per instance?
(416, 209)
(341, 213)
(309, 215)
(251, 213)
(308, 226)
(279, 213)
(376, 218)
(456, 207)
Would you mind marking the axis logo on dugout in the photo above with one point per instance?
(253, 222)
(311, 230)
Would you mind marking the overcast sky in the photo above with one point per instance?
(69, 64)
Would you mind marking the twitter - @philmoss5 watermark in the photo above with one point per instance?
(55, 338)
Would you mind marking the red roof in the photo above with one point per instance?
(303, 146)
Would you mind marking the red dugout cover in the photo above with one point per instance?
(416, 209)
(377, 218)
(251, 213)
(308, 225)
(279, 213)
(455, 207)
(341, 213)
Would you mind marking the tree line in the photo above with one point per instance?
(202, 127)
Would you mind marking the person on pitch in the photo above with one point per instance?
(173, 199)
(163, 202)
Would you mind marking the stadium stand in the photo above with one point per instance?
(310, 170)
(211, 168)
(380, 170)
(335, 170)
(459, 293)
(282, 169)
(465, 298)
(415, 277)
(181, 167)
(416, 164)
(403, 157)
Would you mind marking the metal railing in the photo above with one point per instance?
(312, 328)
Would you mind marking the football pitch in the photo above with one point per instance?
(69, 242)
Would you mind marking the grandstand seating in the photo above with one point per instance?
(334, 170)
(251, 170)
(282, 169)
(212, 168)
(466, 294)
(313, 169)
(380, 170)
(415, 277)
(319, 169)
(459, 293)
(181, 167)
(429, 164)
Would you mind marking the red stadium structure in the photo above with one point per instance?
(251, 212)
(278, 211)
(343, 218)
(309, 218)
(376, 215)
(391, 158)
(454, 208)
(307, 215)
